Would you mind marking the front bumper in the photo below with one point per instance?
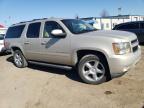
(119, 64)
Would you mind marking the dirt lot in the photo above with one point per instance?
(45, 87)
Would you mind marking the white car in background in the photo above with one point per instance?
(2, 43)
(2, 34)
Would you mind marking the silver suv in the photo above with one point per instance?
(97, 55)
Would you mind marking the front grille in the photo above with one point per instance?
(134, 44)
(135, 48)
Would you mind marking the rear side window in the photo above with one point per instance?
(15, 32)
(129, 26)
(33, 30)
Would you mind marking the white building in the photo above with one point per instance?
(107, 23)
(3, 30)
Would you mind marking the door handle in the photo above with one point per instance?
(26, 43)
(43, 43)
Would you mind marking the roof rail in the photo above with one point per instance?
(44, 18)
(30, 21)
(38, 19)
(23, 22)
(35, 19)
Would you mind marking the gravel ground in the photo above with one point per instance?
(46, 87)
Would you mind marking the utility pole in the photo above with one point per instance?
(119, 11)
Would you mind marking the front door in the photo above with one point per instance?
(55, 49)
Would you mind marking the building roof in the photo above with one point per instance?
(112, 17)
(119, 16)
(87, 18)
(1, 26)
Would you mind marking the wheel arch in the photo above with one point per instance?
(78, 54)
(14, 48)
(103, 56)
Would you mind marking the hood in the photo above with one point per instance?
(112, 34)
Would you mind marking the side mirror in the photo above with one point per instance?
(58, 33)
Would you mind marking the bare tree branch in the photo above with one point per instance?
(104, 13)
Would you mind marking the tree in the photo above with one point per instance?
(104, 13)
(76, 16)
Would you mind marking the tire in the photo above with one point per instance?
(93, 69)
(19, 59)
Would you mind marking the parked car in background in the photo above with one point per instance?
(136, 27)
(96, 54)
(2, 35)
(2, 49)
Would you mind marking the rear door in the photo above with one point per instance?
(32, 41)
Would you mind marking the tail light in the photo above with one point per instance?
(6, 44)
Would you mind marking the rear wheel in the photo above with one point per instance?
(92, 69)
(19, 59)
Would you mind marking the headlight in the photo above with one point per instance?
(121, 48)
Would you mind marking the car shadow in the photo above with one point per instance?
(141, 44)
(70, 73)
(4, 54)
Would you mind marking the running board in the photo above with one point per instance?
(51, 65)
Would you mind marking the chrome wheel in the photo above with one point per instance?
(18, 60)
(93, 70)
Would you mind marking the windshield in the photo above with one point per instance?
(1, 36)
(78, 26)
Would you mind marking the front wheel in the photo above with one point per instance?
(19, 59)
(92, 69)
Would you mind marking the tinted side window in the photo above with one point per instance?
(33, 30)
(49, 26)
(142, 25)
(129, 26)
(15, 32)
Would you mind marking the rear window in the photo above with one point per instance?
(15, 32)
(1, 36)
(128, 26)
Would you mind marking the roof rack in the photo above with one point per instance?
(23, 21)
(38, 19)
(30, 20)
(35, 19)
